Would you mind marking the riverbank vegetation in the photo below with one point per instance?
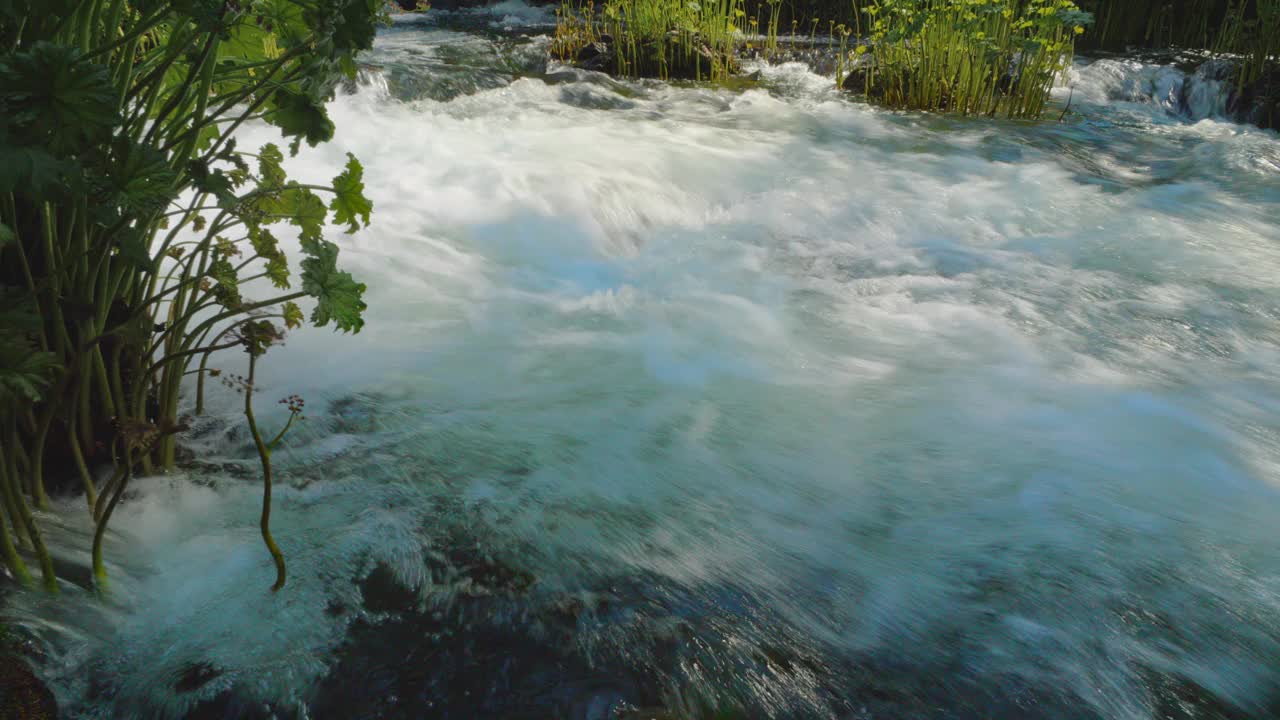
(973, 57)
(653, 38)
(969, 56)
(137, 239)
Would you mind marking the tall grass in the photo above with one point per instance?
(1248, 28)
(1251, 30)
(655, 38)
(974, 57)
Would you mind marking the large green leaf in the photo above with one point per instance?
(292, 315)
(355, 29)
(300, 116)
(270, 170)
(30, 169)
(301, 207)
(138, 179)
(338, 296)
(349, 201)
(215, 182)
(135, 248)
(55, 98)
(25, 372)
(227, 290)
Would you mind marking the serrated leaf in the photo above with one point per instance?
(338, 296)
(355, 29)
(208, 134)
(300, 207)
(25, 372)
(278, 272)
(30, 169)
(269, 167)
(214, 182)
(301, 117)
(264, 243)
(292, 315)
(56, 98)
(349, 201)
(134, 248)
(227, 290)
(137, 179)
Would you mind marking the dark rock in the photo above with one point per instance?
(1174, 697)
(22, 695)
(383, 593)
(861, 79)
(195, 676)
(1213, 89)
(1258, 102)
(229, 706)
(596, 56)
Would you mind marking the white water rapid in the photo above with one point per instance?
(758, 399)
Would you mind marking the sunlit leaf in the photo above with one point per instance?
(292, 315)
(338, 296)
(269, 167)
(349, 201)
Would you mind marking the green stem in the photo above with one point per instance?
(264, 455)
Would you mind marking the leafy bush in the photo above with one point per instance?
(979, 57)
(132, 225)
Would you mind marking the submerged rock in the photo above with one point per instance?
(1258, 102)
(23, 696)
(1213, 89)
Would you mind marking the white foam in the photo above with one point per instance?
(774, 339)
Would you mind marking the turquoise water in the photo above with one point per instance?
(762, 399)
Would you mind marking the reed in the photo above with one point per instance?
(973, 57)
(654, 38)
(1249, 29)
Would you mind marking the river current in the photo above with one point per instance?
(757, 401)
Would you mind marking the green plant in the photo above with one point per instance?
(656, 38)
(1248, 28)
(256, 338)
(977, 57)
(133, 229)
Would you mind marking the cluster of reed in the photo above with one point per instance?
(974, 57)
(655, 38)
(1251, 30)
(1248, 28)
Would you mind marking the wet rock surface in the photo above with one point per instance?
(23, 696)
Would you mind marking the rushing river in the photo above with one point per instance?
(760, 401)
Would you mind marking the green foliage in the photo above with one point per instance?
(693, 39)
(133, 230)
(1248, 28)
(349, 204)
(338, 296)
(25, 373)
(979, 57)
(52, 98)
